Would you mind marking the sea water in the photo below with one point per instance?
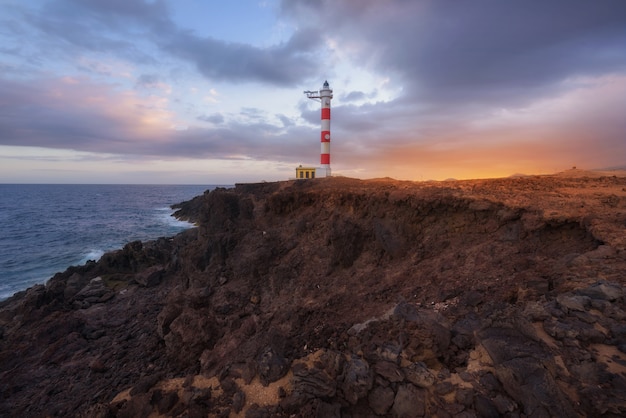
(46, 228)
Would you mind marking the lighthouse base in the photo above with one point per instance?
(303, 173)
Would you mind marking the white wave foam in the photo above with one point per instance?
(92, 255)
(6, 292)
(166, 216)
(171, 221)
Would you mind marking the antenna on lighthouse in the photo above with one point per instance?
(324, 95)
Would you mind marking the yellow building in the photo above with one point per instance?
(305, 172)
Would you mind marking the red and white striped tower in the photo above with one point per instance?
(325, 94)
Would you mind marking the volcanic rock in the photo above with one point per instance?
(271, 366)
(418, 374)
(381, 399)
(150, 276)
(409, 402)
(339, 297)
(356, 380)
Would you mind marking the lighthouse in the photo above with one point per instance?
(324, 95)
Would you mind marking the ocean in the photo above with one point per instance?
(44, 229)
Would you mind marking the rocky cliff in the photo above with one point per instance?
(340, 297)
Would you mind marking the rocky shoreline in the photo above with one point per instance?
(341, 297)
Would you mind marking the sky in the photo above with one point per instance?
(211, 92)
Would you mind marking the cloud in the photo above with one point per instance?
(353, 96)
(286, 121)
(252, 113)
(55, 31)
(79, 114)
(152, 82)
(479, 52)
(215, 118)
(282, 65)
(583, 126)
(75, 113)
(141, 31)
(148, 80)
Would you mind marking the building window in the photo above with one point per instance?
(305, 173)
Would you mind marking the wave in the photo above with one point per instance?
(6, 291)
(165, 216)
(93, 254)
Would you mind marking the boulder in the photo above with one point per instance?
(443, 388)
(464, 396)
(536, 311)
(504, 404)
(356, 380)
(389, 371)
(97, 366)
(406, 311)
(573, 302)
(485, 408)
(192, 332)
(603, 290)
(419, 374)
(313, 383)
(381, 399)
(523, 367)
(73, 285)
(94, 292)
(167, 402)
(271, 366)
(409, 402)
(150, 276)
(239, 400)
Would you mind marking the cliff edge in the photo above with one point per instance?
(341, 297)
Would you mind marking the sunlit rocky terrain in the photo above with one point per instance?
(342, 297)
